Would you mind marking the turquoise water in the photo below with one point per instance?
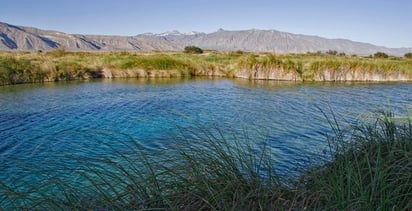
(41, 122)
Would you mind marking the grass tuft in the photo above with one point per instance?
(369, 169)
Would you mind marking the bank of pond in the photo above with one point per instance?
(58, 65)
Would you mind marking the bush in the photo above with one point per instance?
(380, 55)
(193, 49)
(408, 55)
(331, 52)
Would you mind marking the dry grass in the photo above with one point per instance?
(33, 67)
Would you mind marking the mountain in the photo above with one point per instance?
(280, 42)
(29, 39)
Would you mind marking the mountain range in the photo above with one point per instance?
(22, 38)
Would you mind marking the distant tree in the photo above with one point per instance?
(193, 49)
(408, 55)
(342, 54)
(331, 52)
(380, 55)
(240, 52)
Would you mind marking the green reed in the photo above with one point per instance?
(368, 169)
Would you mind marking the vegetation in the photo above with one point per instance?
(332, 52)
(408, 55)
(35, 67)
(369, 170)
(380, 55)
(193, 49)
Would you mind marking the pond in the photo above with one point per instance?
(41, 122)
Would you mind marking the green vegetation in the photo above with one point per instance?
(370, 169)
(408, 55)
(35, 67)
(193, 49)
(332, 52)
(380, 55)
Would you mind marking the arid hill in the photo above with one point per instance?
(31, 39)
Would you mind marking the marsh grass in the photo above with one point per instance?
(369, 171)
(308, 66)
(369, 168)
(34, 67)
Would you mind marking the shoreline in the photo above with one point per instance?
(39, 67)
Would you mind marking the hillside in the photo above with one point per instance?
(279, 42)
(31, 39)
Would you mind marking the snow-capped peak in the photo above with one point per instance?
(169, 33)
(177, 33)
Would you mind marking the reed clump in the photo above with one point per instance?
(368, 169)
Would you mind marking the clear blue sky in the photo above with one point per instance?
(380, 22)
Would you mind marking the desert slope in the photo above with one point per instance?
(30, 39)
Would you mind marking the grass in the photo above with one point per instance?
(370, 169)
(35, 67)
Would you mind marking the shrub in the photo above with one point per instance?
(193, 49)
(380, 55)
(240, 52)
(332, 52)
(408, 55)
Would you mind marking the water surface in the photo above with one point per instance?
(41, 122)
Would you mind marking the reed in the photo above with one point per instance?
(34, 67)
(368, 169)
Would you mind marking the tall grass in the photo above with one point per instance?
(15, 71)
(17, 68)
(30, 67)
(370, 169)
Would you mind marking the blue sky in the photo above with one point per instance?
(380, 22)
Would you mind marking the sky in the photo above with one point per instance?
(380, 22)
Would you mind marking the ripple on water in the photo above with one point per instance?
(40, 124)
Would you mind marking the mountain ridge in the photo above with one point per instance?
(23, 38)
